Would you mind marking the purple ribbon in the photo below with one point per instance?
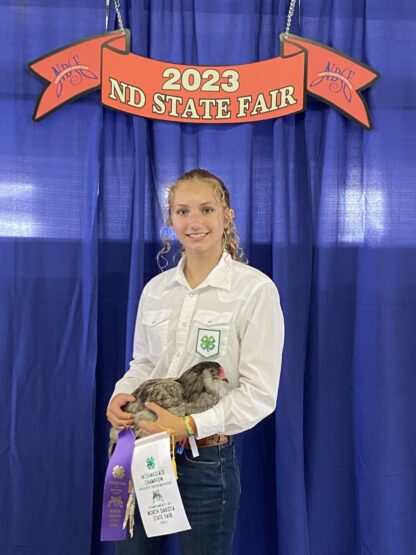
(116, 488)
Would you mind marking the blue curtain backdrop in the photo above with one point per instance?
(325, 208)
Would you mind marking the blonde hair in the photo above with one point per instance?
(230, 239)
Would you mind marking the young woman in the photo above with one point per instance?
(210, 294)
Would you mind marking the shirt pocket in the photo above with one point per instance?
(156, 324)
(210, 332)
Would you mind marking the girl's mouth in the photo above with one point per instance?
(196, 235)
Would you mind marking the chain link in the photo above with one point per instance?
(289, 18)
(118, 12)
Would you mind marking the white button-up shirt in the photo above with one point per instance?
(233, 317)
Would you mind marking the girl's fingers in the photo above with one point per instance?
(120, 420)
(119, 424)
(120, 413)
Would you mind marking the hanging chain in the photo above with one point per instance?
(291, 11)
(118, 12)
(289, 18)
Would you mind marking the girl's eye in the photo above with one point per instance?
(208, 210)
(181, 211)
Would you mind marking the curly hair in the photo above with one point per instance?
(230, 239)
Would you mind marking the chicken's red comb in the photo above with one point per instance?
(221, 373)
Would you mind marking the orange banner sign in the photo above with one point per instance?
(203, 94)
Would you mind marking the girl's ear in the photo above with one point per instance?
(229, 215)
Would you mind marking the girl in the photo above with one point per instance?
(212, 306)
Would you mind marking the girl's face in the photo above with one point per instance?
(197, 216)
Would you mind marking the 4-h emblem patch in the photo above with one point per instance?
(208, 342)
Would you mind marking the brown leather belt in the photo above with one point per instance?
(216, 439)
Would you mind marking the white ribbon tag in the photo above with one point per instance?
(157, 492)
(194, 447)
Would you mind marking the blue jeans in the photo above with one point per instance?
(210, 489)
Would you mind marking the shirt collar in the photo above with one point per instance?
(219, 277)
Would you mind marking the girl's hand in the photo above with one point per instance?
(166, 421)
(115, 414)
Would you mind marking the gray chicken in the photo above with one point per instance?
(196, 390)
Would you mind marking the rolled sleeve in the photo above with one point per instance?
(209, 422)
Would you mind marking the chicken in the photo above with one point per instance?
(196, 390)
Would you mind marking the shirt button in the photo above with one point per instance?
(183, 324)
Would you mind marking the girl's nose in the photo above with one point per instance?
(194, 219)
